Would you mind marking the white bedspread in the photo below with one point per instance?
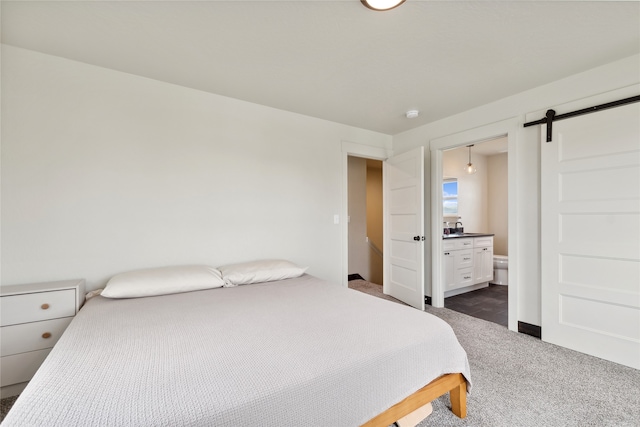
(297, 352)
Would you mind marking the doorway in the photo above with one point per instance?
(355, 150)
(475, 199)
(365, 220)
(403, 220)
(504, 129)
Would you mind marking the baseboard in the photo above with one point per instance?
(529, 329)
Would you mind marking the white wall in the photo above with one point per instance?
(612, 76)
(497, 202)
(103, 172)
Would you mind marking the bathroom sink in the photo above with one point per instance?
(449, 236)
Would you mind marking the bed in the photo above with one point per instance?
(293, 352)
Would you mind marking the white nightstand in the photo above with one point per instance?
(32, 319)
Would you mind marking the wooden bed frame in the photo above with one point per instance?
(455, 384)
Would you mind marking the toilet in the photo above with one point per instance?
(500, 270)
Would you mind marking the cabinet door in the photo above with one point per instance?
(483, 265)
(449, 270)
(478, 266)
(487, 262)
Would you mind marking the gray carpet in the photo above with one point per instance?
(521, 381)
(5, 405)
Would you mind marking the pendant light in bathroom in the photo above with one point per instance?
(470, 169)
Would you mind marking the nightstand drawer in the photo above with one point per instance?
(37, 306)
(31, 336)
(19, 368)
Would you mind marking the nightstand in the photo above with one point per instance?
(32, 319)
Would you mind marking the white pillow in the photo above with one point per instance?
(162, 281)
(266, 270)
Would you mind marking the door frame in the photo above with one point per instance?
(508, 128)
(356, 150)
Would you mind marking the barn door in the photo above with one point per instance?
(403, 177)
(590, 238)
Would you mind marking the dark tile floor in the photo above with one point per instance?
(487, 303)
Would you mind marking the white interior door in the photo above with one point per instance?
(403, 182)
(590, 239)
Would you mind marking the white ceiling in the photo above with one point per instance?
(337, 60)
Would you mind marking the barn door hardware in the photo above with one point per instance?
(551, 117)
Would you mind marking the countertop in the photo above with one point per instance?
(461, 235)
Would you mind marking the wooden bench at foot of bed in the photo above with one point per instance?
(455, 384)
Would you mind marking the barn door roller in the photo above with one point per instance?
(551, 117)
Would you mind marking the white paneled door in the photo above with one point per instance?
(404, 227)
(590, 216)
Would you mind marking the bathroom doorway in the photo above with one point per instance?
(507, 129)
(475, 201)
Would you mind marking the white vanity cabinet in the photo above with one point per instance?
(32, 319)
(467, 263)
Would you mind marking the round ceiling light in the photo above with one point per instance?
(412, 114)
(382, 4)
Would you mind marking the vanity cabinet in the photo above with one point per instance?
(32, 319)
(467, 261)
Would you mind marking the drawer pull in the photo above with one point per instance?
(46, 335)
(44, 306)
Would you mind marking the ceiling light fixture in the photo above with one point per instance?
(469, 168)
(412, 114)
(382, 4)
